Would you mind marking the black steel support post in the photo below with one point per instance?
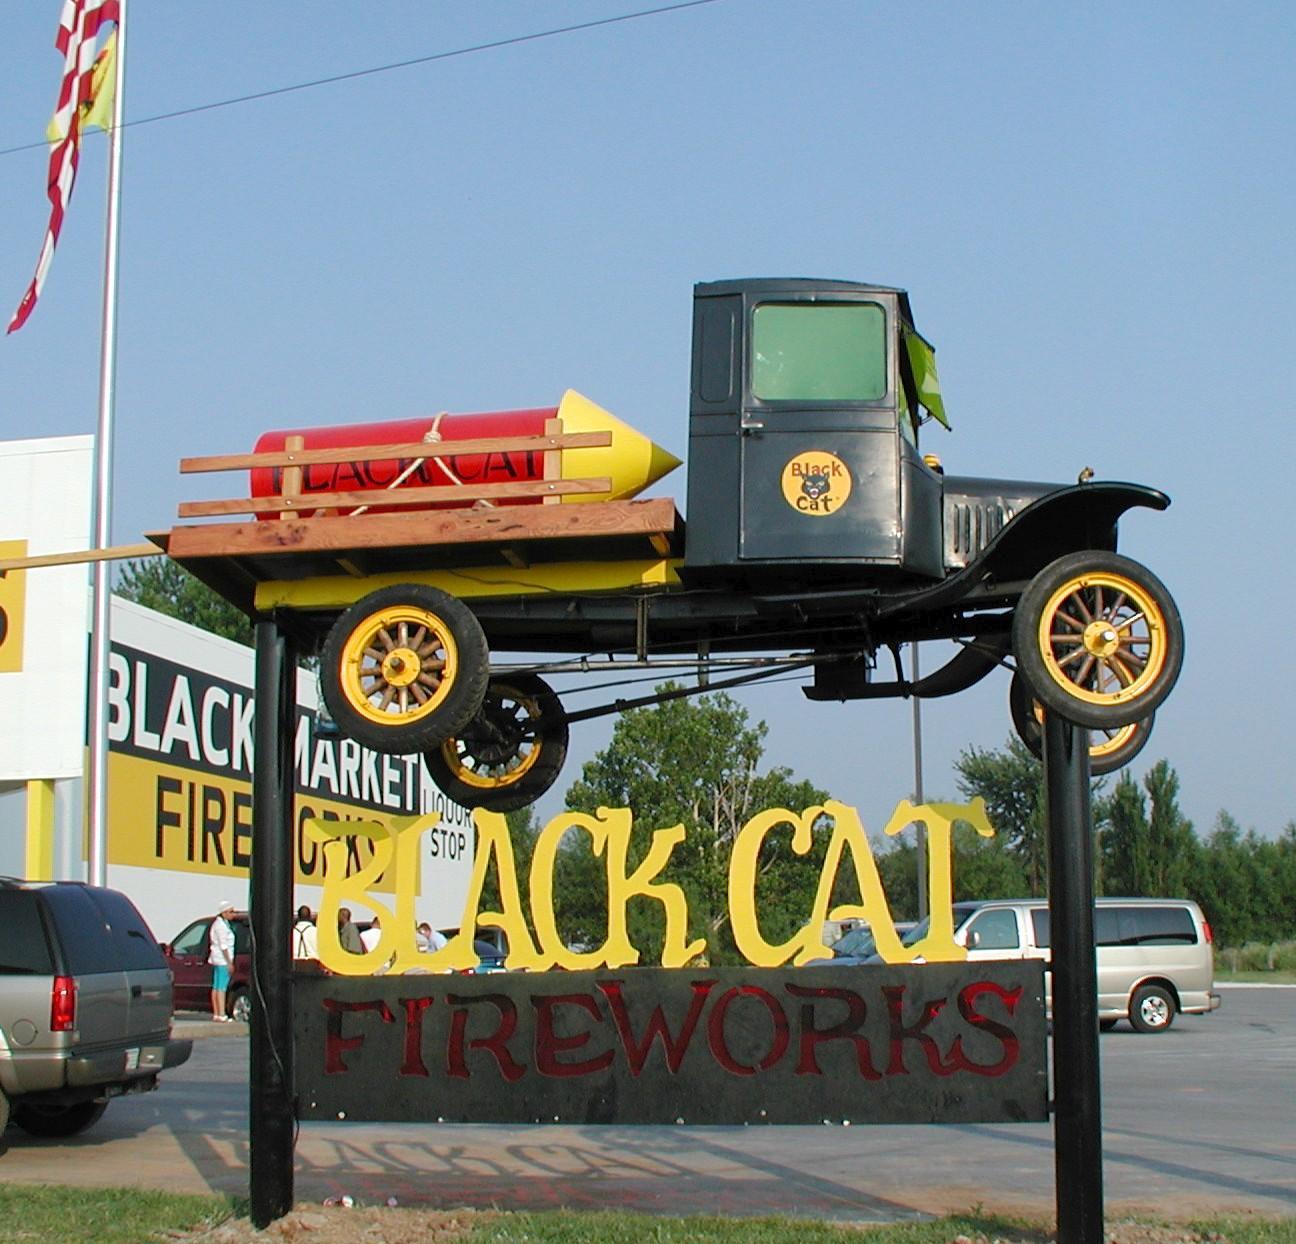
(1077, 1117)
(271, 1124)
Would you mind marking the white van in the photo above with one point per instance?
(1154, 954)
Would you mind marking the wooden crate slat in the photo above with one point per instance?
(400, 498)
(416, 449)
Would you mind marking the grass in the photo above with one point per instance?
(563, 1227)
(121, 1216)
(103, 1215)
(1282, 976)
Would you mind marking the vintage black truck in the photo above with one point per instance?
(819, 537)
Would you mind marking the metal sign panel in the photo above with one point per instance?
(939, 1043)
(45, 493)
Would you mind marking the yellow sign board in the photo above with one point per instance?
(183, 819)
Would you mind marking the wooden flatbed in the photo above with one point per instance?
(509, 544)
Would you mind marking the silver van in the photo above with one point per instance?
(1155, 956)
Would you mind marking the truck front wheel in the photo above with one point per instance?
(1098, 639)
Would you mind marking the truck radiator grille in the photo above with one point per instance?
(974, 526)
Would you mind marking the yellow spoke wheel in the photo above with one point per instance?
(1110, 748)
(404, 668)
(1099, 640)
(510, 753)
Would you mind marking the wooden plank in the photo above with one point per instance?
(416, 449)
(506, 526)
(403, 498)
(117, 552)
(292, 476)
(552, 459)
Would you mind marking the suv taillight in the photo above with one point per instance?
(63, 1005)
(1206, 932)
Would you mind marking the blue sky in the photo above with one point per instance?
(1091, 207)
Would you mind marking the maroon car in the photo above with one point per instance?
(187, 955)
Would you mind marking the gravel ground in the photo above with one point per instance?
(383, 1225)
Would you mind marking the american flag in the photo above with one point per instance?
(79, 27)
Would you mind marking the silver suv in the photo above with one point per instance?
(85, 1005)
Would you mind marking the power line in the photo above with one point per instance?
(495, 44)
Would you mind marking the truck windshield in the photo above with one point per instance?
(819, 352)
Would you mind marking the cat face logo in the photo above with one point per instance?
(814, 486)
(816, 483)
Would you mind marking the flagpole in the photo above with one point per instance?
(97, 861)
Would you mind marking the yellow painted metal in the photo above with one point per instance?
(421, 644)
(534, 940)
(1132, 619)
(39, 862)
(339, 591)
(633, 461)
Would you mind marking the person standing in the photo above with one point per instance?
(427, 938)
(305, 935)
(221, 958)
(348, 934)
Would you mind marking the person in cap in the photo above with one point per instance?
(221, 958)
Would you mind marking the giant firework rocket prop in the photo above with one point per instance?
(626, 459)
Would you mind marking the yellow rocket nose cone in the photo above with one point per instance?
(661, 462)
(632, 461)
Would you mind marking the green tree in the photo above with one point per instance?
(1124, 839)
(1172, 844)
(694, 762)
(159, 583)
(1011, 781)
(1148, 846)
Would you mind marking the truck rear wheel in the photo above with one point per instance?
(38, 1119)
(1098, 639)
(404, 668)
(510, 753)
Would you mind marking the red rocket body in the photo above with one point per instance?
(438, 469)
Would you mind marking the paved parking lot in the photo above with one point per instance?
(1202, 1119)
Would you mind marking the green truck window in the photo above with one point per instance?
(819, 352)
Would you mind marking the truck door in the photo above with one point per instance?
(819, 448)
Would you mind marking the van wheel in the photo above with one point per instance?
(239, 1006)
(1152, 1009)
(63, 1120)
(1106, 1025)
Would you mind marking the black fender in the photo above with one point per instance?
(1082, 516)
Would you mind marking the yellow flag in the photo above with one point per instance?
(98, 109)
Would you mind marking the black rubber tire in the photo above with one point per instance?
(1106, 1025)
(1152, 1009)
(454, 700)
(495, 739)
(238, 1006)
(4, 1112)
(37, 1119)
(1109, 749)
(1080, 581)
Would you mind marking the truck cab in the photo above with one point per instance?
(806, 401)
